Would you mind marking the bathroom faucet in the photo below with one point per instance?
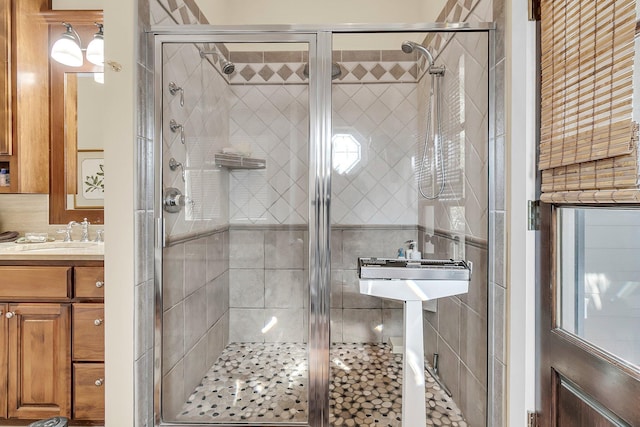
(67, 231)
(85, 230)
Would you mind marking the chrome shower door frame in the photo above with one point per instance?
(318, 190)
(319, 39)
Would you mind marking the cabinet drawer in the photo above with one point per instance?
(27, 283)
(89, 282)
(88, 332)
(88, 391)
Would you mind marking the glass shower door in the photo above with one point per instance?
(235, 277)
(409, 180)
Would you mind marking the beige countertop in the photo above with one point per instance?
(56, 250)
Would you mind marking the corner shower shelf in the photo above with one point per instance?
(234, 161)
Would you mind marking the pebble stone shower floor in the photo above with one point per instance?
(268, 383)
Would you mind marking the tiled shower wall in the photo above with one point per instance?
(195, 314)
(380, 189)
(356, 317)
(273, 121)
(468, 331)
(204, 115)
(457, 222)
(268, 274)
(378, 193)
(195, 279)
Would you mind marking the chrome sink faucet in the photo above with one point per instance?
(67, 231)
(85, 230)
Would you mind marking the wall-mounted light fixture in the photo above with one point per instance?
(67, 49)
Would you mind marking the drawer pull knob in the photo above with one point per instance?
(99, 284)
(10, 314)
(98, 322)
(99, 382)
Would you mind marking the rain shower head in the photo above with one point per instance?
(409, 46)
(227, 67)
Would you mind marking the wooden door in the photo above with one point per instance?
(3, 361)
(579, 384)
(39, 347)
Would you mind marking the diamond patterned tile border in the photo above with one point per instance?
(287, 73)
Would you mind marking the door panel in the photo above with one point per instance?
(236, 303)
(39, 348)
(577, 409)
(580, 383)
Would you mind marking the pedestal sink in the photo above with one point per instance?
(412, 282)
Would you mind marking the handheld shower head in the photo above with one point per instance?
(409, 46)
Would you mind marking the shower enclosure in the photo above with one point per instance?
(286, 154)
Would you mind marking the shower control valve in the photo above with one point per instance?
(174, 200)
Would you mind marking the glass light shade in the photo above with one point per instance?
(98, 78)
(66, 51)
(95, 51)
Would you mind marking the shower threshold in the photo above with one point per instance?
(258, 382)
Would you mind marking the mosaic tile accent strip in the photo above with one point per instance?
(268, 383)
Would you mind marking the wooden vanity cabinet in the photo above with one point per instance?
(44, 369)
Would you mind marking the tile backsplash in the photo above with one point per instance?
(30, 212)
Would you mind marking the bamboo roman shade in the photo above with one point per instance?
(588, 140)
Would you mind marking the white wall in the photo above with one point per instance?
(245, 12)
(119, 107)
(319, 12)
(521, 134)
